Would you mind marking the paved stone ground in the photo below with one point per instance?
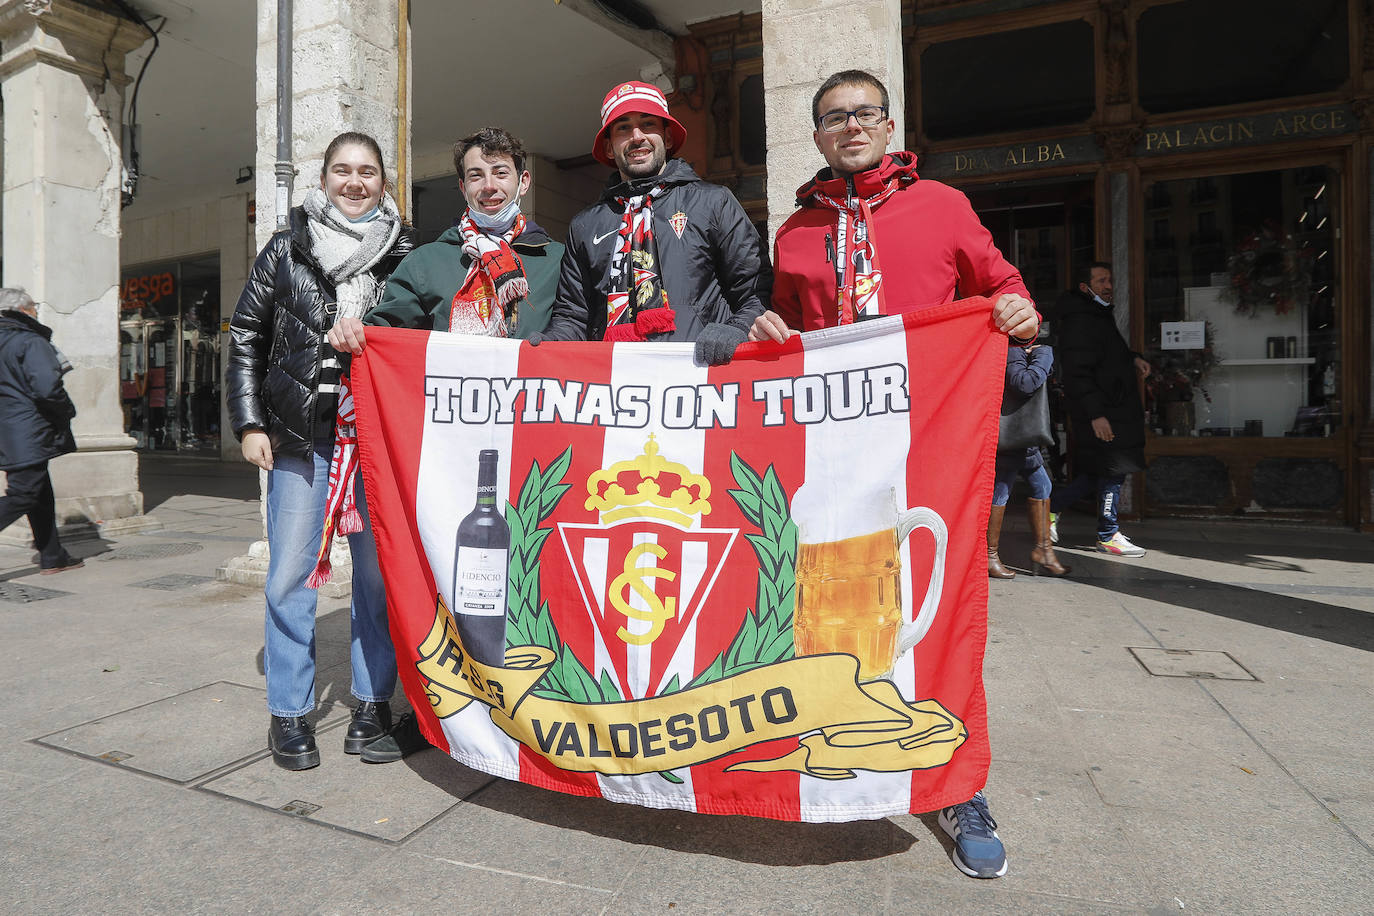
(134, 775)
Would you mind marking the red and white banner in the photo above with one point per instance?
(754, 589)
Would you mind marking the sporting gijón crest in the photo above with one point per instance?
(646, 571)
(679, 222)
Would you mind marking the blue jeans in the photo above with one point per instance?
(296, 492)
(1039, 480)
(1108, 498)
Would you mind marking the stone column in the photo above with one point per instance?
(804, 41)
(62, 76)
(345, 76)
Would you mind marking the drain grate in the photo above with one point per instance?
(23, 594)
(299, 808)
(1198, 663)
(173, 582)
(151, 551)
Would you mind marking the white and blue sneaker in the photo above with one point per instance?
(978, 850)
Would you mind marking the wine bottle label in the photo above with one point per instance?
(481, 582)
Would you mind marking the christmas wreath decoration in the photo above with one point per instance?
(1269, 268)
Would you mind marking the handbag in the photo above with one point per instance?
(1025, 421)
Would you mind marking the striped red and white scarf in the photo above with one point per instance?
(637, 305)
(341, 513)
(858, 278)
(488, 301)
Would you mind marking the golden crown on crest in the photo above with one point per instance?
(649, 486)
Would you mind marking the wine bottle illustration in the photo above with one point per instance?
(480, 568)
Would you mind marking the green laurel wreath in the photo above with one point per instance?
(528, 621)
(764, 636)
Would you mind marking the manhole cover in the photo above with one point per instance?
(173, 581)
(23, 594)
(1191, 663)
(151, 551)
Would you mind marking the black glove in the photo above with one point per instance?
(535, 339)
(717, 342)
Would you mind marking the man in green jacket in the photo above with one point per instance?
(494, 273)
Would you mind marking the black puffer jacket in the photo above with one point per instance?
(714, 269)
(1100, 380)
(35, 412)
(278, 340)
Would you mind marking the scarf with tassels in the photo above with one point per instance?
(638, 304)
(488, 302)
(341, 515)
(858, 279)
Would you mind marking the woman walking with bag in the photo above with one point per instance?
(1025, 427)
(283, 381)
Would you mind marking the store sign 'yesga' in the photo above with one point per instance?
(143, 290)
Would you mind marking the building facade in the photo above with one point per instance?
(1217, 152)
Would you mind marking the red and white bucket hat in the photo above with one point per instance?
(643, 98)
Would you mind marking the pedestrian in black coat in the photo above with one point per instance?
(1101, 383)
(35, 424)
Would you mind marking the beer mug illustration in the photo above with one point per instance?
(849, 586)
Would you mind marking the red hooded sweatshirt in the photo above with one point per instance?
(930, 246)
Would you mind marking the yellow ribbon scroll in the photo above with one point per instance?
(845, 726)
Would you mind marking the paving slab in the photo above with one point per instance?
(1295, 718)
(1061, 841)
(1343, 786)
(1255, 864)
(1096, 676)
(181, 738)
(383, 801)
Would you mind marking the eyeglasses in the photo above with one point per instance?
(867, 116)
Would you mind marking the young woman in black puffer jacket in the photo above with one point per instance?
(283, 384)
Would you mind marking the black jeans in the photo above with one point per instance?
(29, 492)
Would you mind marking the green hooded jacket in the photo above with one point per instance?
(419, 294)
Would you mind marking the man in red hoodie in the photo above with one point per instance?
(871, 238)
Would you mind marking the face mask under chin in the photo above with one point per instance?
(499, 221)
(367, 217)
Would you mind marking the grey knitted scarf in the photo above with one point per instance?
(348, 251)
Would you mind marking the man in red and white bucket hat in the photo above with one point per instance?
(629, 100)
(662, 255)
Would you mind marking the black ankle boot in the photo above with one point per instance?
(292, 740)
(370, 722)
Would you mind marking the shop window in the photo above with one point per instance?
(1241, 304)
(966, 90)
(1043, 231)
(1201, 53)
(169, 354)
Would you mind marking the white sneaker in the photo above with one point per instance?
(1120, 545)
